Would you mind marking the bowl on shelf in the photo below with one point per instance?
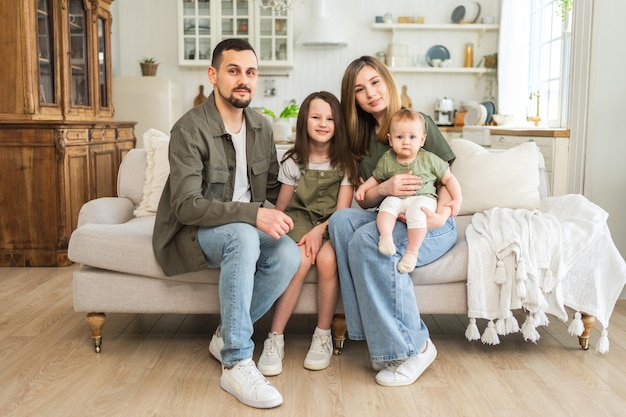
(503, 119)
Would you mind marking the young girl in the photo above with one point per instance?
(318, 176)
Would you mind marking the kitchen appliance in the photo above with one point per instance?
(444, 112)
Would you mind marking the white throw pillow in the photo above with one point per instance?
(156, 144)
(488, 179)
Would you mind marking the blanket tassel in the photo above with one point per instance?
(490, 336)
(500, 275)
(501, 327)
(512, 326)
(472, 332)
(529, 331)
(576, 327)
(603, 343)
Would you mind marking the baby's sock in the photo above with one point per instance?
(407, 263)
(386, 245)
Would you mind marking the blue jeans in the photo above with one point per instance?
(379, 301)
(255, 270)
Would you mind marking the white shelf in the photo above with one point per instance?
(443, 26)
(439, 70)
(479, 29)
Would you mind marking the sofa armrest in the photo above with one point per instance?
(106, 210)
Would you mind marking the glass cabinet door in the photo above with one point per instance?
(103, 68)
(204, 23)
(235, 19)
(79, 60)
(274, 38)
(196, 31)
(45, 50)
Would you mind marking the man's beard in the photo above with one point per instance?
(240, 104)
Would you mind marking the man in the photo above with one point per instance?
(223, 166)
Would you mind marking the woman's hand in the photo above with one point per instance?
(401, 184)
(434, 220)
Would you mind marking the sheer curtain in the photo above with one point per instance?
(513, 59)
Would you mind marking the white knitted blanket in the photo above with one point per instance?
(541, 261)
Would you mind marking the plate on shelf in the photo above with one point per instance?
(458, 14)
(476, 116)
(472, 11)
(437, 52)
(491, 109)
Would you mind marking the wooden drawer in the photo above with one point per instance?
(75, 135)
(103, 135)
(124, 133)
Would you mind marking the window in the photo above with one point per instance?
(534, 57)
(549, 56)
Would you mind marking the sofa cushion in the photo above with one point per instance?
(132, 175)
(156, 144)
(125, 248)
(508, 178)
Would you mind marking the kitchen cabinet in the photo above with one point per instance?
(478, 32)
(202, 24)
(59, 145)
(555, 151)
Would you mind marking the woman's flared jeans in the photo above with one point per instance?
(379, 301)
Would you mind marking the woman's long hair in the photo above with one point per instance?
(361, 124)
(339, 151)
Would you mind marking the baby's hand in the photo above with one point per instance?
(359, 194)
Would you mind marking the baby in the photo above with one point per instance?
(406, 138)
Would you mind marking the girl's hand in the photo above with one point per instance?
(401, 184)
(312, 242)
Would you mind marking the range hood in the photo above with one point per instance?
(321, 30)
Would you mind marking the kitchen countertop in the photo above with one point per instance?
(516, 131)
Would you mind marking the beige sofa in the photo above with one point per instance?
(119, 273)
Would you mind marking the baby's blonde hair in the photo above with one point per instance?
(408, 114)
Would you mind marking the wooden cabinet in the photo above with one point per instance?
(59, 145)
(202, 24)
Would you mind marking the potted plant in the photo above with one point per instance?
(148, 66)
(281, 126)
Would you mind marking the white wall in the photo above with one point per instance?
(148, 28)
(605, 167)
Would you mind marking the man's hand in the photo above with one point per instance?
(273, 222)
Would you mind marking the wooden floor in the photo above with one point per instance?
(159, 365)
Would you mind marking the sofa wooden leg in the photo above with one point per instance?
(339, 328)
(95, 321)
(588, 321)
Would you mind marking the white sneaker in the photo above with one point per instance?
(271, 360)
(245, 382)
(406, 372)
(216, 345)
(320, 352)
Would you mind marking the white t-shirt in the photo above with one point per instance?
(289, 173)
(241, 190)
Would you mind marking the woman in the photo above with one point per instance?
(379, 301)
